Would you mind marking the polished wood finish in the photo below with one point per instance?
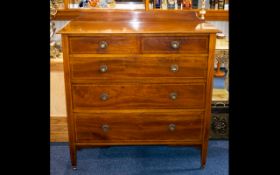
(114, 45)
(135, 126)
(121, 15)
(70, 14)
(138, 96)
(114, 28)
(137, 89)
(186, 44)
(69, 103)
(59, 131)
(123, 67)
(130, 44)
(129, 15)
(208, 98)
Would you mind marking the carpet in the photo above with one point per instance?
(140, 160)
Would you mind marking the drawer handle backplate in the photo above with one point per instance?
(103, 44)
(172, 127)
(173, 95)
(105, 127)
(104, 96)
(174, 68)
(175, 44)
(103, 68)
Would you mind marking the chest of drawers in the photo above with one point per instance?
(136, 78)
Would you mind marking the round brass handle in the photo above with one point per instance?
(104, 96)
(103, 68)
(173, 95)
(174, 68)
(103, 44)
(105, 127)
(172, 127)
(175, 44)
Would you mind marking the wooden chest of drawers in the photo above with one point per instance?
(141, 80)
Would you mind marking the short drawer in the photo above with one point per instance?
(104, 45)
(132, 96)
(136, 66)
(176, 44)
(141, 126)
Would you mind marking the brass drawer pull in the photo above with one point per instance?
(105, 127)
(104, 96)
(173, 95)
(103, 44)
(172, 127)
(174, 68)
(175, 44)
(103, 68)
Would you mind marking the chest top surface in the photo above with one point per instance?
(136, 22)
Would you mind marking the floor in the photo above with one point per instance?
(141, 160)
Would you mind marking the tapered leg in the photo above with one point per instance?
(73, 156)
(204, 149)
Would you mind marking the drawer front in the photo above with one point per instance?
(103, 45)
(130, 67)
(144, 126)
(180, 44)
(127, 96)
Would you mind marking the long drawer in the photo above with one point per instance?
(129, 96)
(138, 66)
(141, 126)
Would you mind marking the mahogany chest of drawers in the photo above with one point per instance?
(138, 78)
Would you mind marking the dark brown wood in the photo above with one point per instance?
(125, 67)
(142, 80)
(70, 14)
(187, 44)
(125, 15)
(208, 99)
(125, 22)
(143, 127)
(141, 142)
(138, 98)
(115, 45)
(70, 121)
(136, 27)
